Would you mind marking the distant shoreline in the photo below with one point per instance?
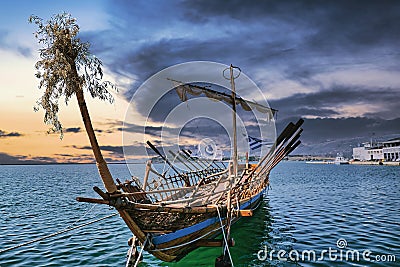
(311, 160)
(369, 163)
(64, 163)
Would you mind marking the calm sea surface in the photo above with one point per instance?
(308, 208)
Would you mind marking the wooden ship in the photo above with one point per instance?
(171, 215)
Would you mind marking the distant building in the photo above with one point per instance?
(368, 151)
(360, 153)
(391, 149)
(388, 151)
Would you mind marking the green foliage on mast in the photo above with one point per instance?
(65, 67)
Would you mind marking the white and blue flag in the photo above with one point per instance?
(255, 143)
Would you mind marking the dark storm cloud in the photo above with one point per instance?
(327, 103)
(113, 149)
(244, 45)
(329, 129)
(199, 11)
(104, 131)
(202, 128)
(299, 39)
(73, 130)
(320, 36)
(351, 26)
(152, 57)
(331, 136)
(150, 130)
(276, 43)
(65, 155)
(4, 134)
(330, 22)
(10, 159)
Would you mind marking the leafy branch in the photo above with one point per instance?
(66, 67)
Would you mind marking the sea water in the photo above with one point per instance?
(309, 209)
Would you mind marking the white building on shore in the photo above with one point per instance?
(391, 150)
(387, 151)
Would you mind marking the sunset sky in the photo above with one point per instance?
(334, 61)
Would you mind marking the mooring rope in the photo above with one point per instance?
(81, 218)
(130, 252)
(259, 203)
(57, 233)
(223, 233)
(141, 251)
(187, 243)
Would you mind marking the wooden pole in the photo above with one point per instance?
(235, 156)
(182, 161)
(198, 160)
(183, 153)
(146, 174)
(105, 174)
(164, 158)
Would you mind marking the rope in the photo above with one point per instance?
(187, 243)
(223, 233)
(83, 216)
(57, 233)
(130, 253)
(259, 203)
(141, 251)
(237, 209)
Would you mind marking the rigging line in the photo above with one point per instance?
(57, 233)
(223, 233)
(130, 252)
(141, 250)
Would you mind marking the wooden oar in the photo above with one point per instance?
(184, 154)
(279, 142)
(179, 158)
(185, 179)
(212, 161)
(162, 156)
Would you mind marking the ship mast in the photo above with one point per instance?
(235, 153)
(233, 175)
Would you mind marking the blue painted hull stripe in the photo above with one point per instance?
(197, 227)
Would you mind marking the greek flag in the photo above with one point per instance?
(254, 143)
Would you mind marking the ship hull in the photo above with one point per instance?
(175, 245)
